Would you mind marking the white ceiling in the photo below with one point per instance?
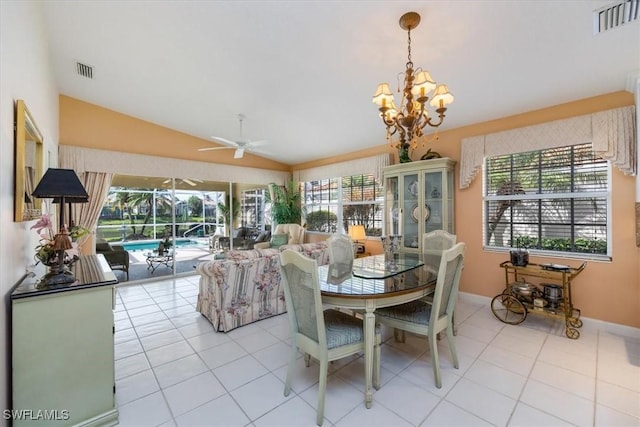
(303, 72)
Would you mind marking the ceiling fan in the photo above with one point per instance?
(240, 145)
(191, 182)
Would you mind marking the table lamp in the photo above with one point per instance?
(357, 233)
(62, 185)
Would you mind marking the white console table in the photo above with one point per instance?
(62, 349)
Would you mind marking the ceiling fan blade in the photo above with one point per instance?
(225, 141)
(214, 148)
(188, 181)
(258, 143)
(239, 153)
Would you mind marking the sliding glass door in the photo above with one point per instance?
(166, 224)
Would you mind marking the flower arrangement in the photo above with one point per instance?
(46, 252)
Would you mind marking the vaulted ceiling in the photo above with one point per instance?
(303, 72)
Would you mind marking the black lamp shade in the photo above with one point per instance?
(72, 199)
(62, 184)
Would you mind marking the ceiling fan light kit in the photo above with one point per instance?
(412, 117)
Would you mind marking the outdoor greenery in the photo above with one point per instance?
(227, 214)
(573, 222)
(560, 244)
(129, 215)
(323, 220)
(362, 215)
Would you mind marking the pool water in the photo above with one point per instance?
(146, 245)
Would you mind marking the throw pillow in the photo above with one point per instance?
(262, 237)
(278, 240)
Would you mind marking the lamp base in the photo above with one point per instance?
(56, 277)
(391, 246)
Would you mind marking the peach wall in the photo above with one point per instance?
(88, 125)
(608, 291)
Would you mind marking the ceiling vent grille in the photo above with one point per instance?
(615, 15)
(84, 70)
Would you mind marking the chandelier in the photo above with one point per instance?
(412, 117)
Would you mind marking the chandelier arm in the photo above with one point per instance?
(441, 115)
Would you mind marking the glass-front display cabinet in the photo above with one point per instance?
(418, 199)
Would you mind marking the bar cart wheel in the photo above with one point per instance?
(508, 309)
(572, 333)
(576, 323)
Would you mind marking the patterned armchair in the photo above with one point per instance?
(295, 232)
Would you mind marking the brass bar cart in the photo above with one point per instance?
(554, 300)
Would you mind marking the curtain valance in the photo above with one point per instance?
(83, 159)
(372, 165)
(612, 133)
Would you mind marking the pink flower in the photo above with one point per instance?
(43, 223)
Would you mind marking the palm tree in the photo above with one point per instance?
(226, 214)
(145, 199)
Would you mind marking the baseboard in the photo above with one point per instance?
(600, 325)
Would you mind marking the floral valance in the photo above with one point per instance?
(611, 132)
(373, 165)
(83, 159)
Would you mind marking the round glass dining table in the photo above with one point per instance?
(378, 282)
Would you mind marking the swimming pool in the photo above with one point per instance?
(146, 245)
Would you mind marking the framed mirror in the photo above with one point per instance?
(29, 164)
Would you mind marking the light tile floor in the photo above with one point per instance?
(172, 369)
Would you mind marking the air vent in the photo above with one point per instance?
(84, 70)
(615, 15)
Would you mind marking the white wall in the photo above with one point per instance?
(25, 73)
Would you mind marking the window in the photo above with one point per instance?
(554, 200)
(350, 200)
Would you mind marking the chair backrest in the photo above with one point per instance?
(446, 291)
(295, 232)
(302, 296)
(341, 251)
(438, 240)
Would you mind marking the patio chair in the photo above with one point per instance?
(117, 256)
(325, 335)
(429, 319)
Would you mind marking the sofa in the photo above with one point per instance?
(245, 286)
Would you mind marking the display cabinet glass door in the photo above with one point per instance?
(392, 207)
(438, 197)
(411, 211)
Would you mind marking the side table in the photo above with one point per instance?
(155, 260)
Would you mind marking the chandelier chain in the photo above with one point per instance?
(409, 47)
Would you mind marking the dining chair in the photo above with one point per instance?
(341, 254)
(435, 242)
(428, 319)
(326, 335)
(438, 240)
